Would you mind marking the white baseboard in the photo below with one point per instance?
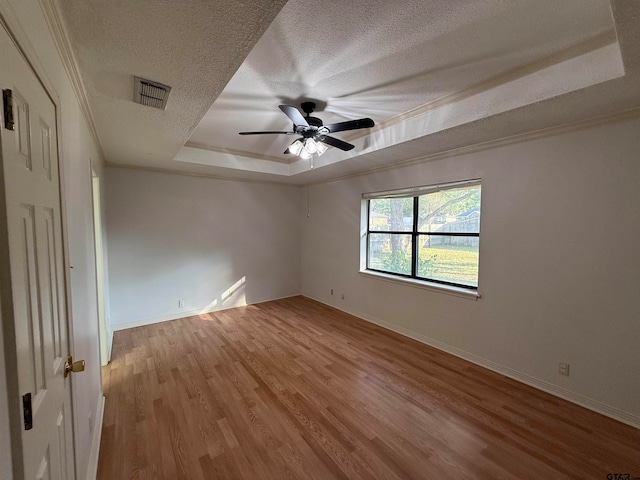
(92, 470)
(589, 403)
(175, 316)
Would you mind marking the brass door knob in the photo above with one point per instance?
(70, 366)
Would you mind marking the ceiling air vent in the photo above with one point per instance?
(151, 94)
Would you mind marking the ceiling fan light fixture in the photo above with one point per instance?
(304, 154)
(296, 147)
(310, 145)
(321, 148)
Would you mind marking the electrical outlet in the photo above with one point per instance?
(332, 291)
(342, 296)
(181, 303)
(563, 369)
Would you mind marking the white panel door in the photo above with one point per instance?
(37, 283)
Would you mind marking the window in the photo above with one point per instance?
(427, 233)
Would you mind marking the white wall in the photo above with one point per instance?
(26, 19)
(175, 237)
(559, 263)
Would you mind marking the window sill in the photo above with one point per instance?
(425, 285)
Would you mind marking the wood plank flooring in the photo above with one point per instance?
(293, 389)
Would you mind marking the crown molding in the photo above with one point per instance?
(621, 116)
(593, 43)
(54, 19)
(241, 153)
(202, 175)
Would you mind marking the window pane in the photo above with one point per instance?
(454, 210)
(391, 214)
(390, 253)
(449, 259)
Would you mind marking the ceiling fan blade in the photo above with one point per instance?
(334, 142)
(350, 125)
(263, 133)
(294, 115)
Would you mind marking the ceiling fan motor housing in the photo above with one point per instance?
(313, 121)
(308, 108)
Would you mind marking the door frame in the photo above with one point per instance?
(11, 25)
(103, 332)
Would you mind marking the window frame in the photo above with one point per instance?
(415, 193)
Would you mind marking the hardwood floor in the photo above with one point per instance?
(295, 389)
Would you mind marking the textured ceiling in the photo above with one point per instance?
(433, 75)
(394, 57)
(194, 46)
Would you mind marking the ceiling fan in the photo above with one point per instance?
(314, 136)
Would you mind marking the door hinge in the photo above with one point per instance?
(7, 102)
(27, 412)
